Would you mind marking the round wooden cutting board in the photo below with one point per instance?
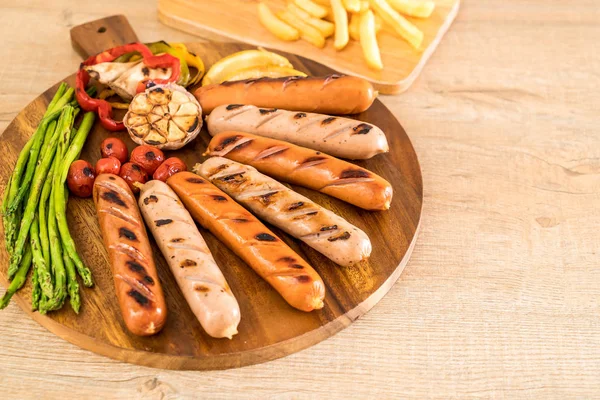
(269, 328)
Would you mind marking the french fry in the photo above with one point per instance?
(398, 23)
(276, 26)
(352, 6)
(324, 3)
(329, 16)
(354, 26)
(368, 40)
(413, 8)
(314, 9)
(307, 32)
(364, 5)
(326, 28)
(340, 17)
(378, 23)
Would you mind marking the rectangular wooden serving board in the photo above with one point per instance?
(238, 19)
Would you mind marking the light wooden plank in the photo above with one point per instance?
(501, 298)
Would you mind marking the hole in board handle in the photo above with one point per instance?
(102, 29)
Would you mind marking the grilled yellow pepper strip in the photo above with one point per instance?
(192, 60)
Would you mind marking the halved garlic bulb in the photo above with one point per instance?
(165, 116)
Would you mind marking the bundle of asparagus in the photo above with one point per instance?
(34, 209)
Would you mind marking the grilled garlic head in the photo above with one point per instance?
(165, 116)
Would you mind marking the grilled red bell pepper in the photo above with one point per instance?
(103, 107)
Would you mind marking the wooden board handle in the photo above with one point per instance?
(96, 36)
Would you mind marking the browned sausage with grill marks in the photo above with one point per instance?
(137, 286)
(332, 94)
(305, 167)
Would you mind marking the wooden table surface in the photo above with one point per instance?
(501, 298)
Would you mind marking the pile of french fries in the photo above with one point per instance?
(360, 20)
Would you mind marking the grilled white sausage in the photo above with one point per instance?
(321, 229)
(197, 274)
(340, 137)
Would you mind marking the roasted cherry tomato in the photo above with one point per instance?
(148, 157)
(133, 173)
(109, 165)
(80, 178)
(170, 167)
(114, 147)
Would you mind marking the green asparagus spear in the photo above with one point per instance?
(47, 137)
(65, 122)
(60, 284)
(35, 291)
(19, 279)
(44, 306)
(60, 196)
(43, 216)
(72, 285)
(64, 100)
(5, 218)
(43, 272)
(24, 155)
(11, 219)
(32, 162)
(5, 195)
(59, 93)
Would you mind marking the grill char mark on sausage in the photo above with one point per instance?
(354, 173)
(227, 141)
(139, 298)
(195, 180)
(265, 237)
(161, 222)
(113, 197)
(362, 129)
(343, 236)
(126, 233)
(151, 199)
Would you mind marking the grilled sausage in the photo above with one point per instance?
(321, 229)
(340, 137)
(332, 94)
(296, 281)
(136, 282)
(305, 167)
(197, 274)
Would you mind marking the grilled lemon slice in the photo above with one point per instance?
(165, 116)
(245, 59)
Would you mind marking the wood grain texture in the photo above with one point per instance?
(402, 63)
(501, 297)
(101, 34)
(270, 328)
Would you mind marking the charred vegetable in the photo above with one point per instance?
(148, 157)
(165, 116)
(126, 81)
